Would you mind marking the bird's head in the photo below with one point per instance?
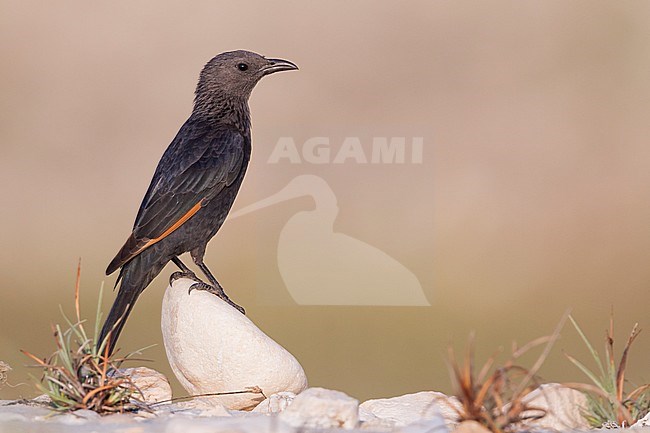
(234, 74)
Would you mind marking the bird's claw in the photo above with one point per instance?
(237, 307)
(201, 286)
(179, 274)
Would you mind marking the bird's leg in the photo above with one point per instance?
(182, 266)
(184, 272)
(215, 288)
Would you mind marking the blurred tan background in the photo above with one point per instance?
(533, 196)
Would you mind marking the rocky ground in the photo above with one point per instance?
(315, 409)
(274, 395)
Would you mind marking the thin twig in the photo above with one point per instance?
(542, 357)
(251, 390)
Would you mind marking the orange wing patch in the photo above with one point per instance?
(132, 247)
(171, 229)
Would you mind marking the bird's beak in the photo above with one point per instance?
(277, 65)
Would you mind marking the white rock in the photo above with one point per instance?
(10, 416)
(125, 418)
(196, 407)
(433, 425)
(212, 347)
(275, 403)
(322, 408)
(410, 408)
(12, 410)
(563, 408)
(370, 422)
(249, 424)
(81, 416)
(151, 384)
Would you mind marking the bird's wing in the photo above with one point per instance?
(198, 164)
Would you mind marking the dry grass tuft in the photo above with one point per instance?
(608, 402)
(495, 397)
(80, 373)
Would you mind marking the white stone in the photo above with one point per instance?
(196, 407)
(212, 347)
(411, 408)
(126, 418)
(81, 416)
(370, 422)
(563, 408)
(10, 416)
(322, 408)
(432, 425)
(152, 385)
(13, 410)
(250, 424)
(275, 403)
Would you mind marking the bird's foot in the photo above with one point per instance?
(179, 274)
(217, 292)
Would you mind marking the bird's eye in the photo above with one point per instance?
(242, 66)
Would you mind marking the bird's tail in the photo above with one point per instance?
(134, 277)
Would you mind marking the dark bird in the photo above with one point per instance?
(194, 185)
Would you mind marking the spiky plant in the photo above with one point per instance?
(495, 397)
(608, 401)
(80, 374)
